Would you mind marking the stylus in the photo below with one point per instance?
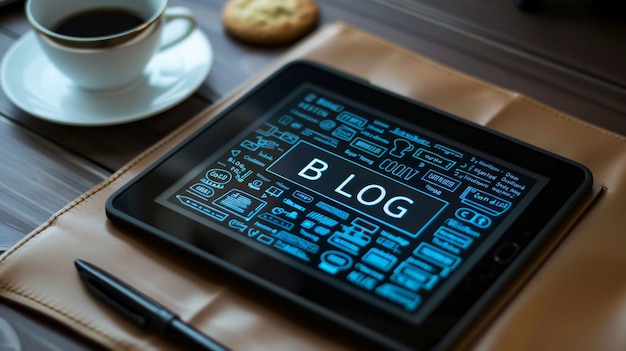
(142, 310)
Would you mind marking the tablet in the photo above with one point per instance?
(387, 220)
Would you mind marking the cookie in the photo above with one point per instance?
(269, 22)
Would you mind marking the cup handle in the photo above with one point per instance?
(175, 34)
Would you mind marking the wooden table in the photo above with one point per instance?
(570, 57)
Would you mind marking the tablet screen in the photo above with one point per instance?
(387, 212)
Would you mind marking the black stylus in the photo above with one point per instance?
(143, 311)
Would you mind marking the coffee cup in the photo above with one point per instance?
(105, 44)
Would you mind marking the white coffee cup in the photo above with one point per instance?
(107, 61)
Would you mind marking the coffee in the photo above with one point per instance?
(98, 23)
(87, 40)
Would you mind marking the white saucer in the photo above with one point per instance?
(32, 83)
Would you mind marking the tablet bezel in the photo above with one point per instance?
(133, 207)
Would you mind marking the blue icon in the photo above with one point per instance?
(368, 147)
(344, 132)
(401, 147)
(202, 208)
(202, 191)
(485, 201)
(362, 280)
(255, 184)
(409, 300)
(304, 197)
(447, 261)
(328, 124)
(237, 225)
(285, 120)
(217, 177)
(453, 237)
(273, 191)
(240, 203)
(265, 239)
(380, 259)
(473, 217)
(352, 120)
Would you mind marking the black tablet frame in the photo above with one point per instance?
(134, 208)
